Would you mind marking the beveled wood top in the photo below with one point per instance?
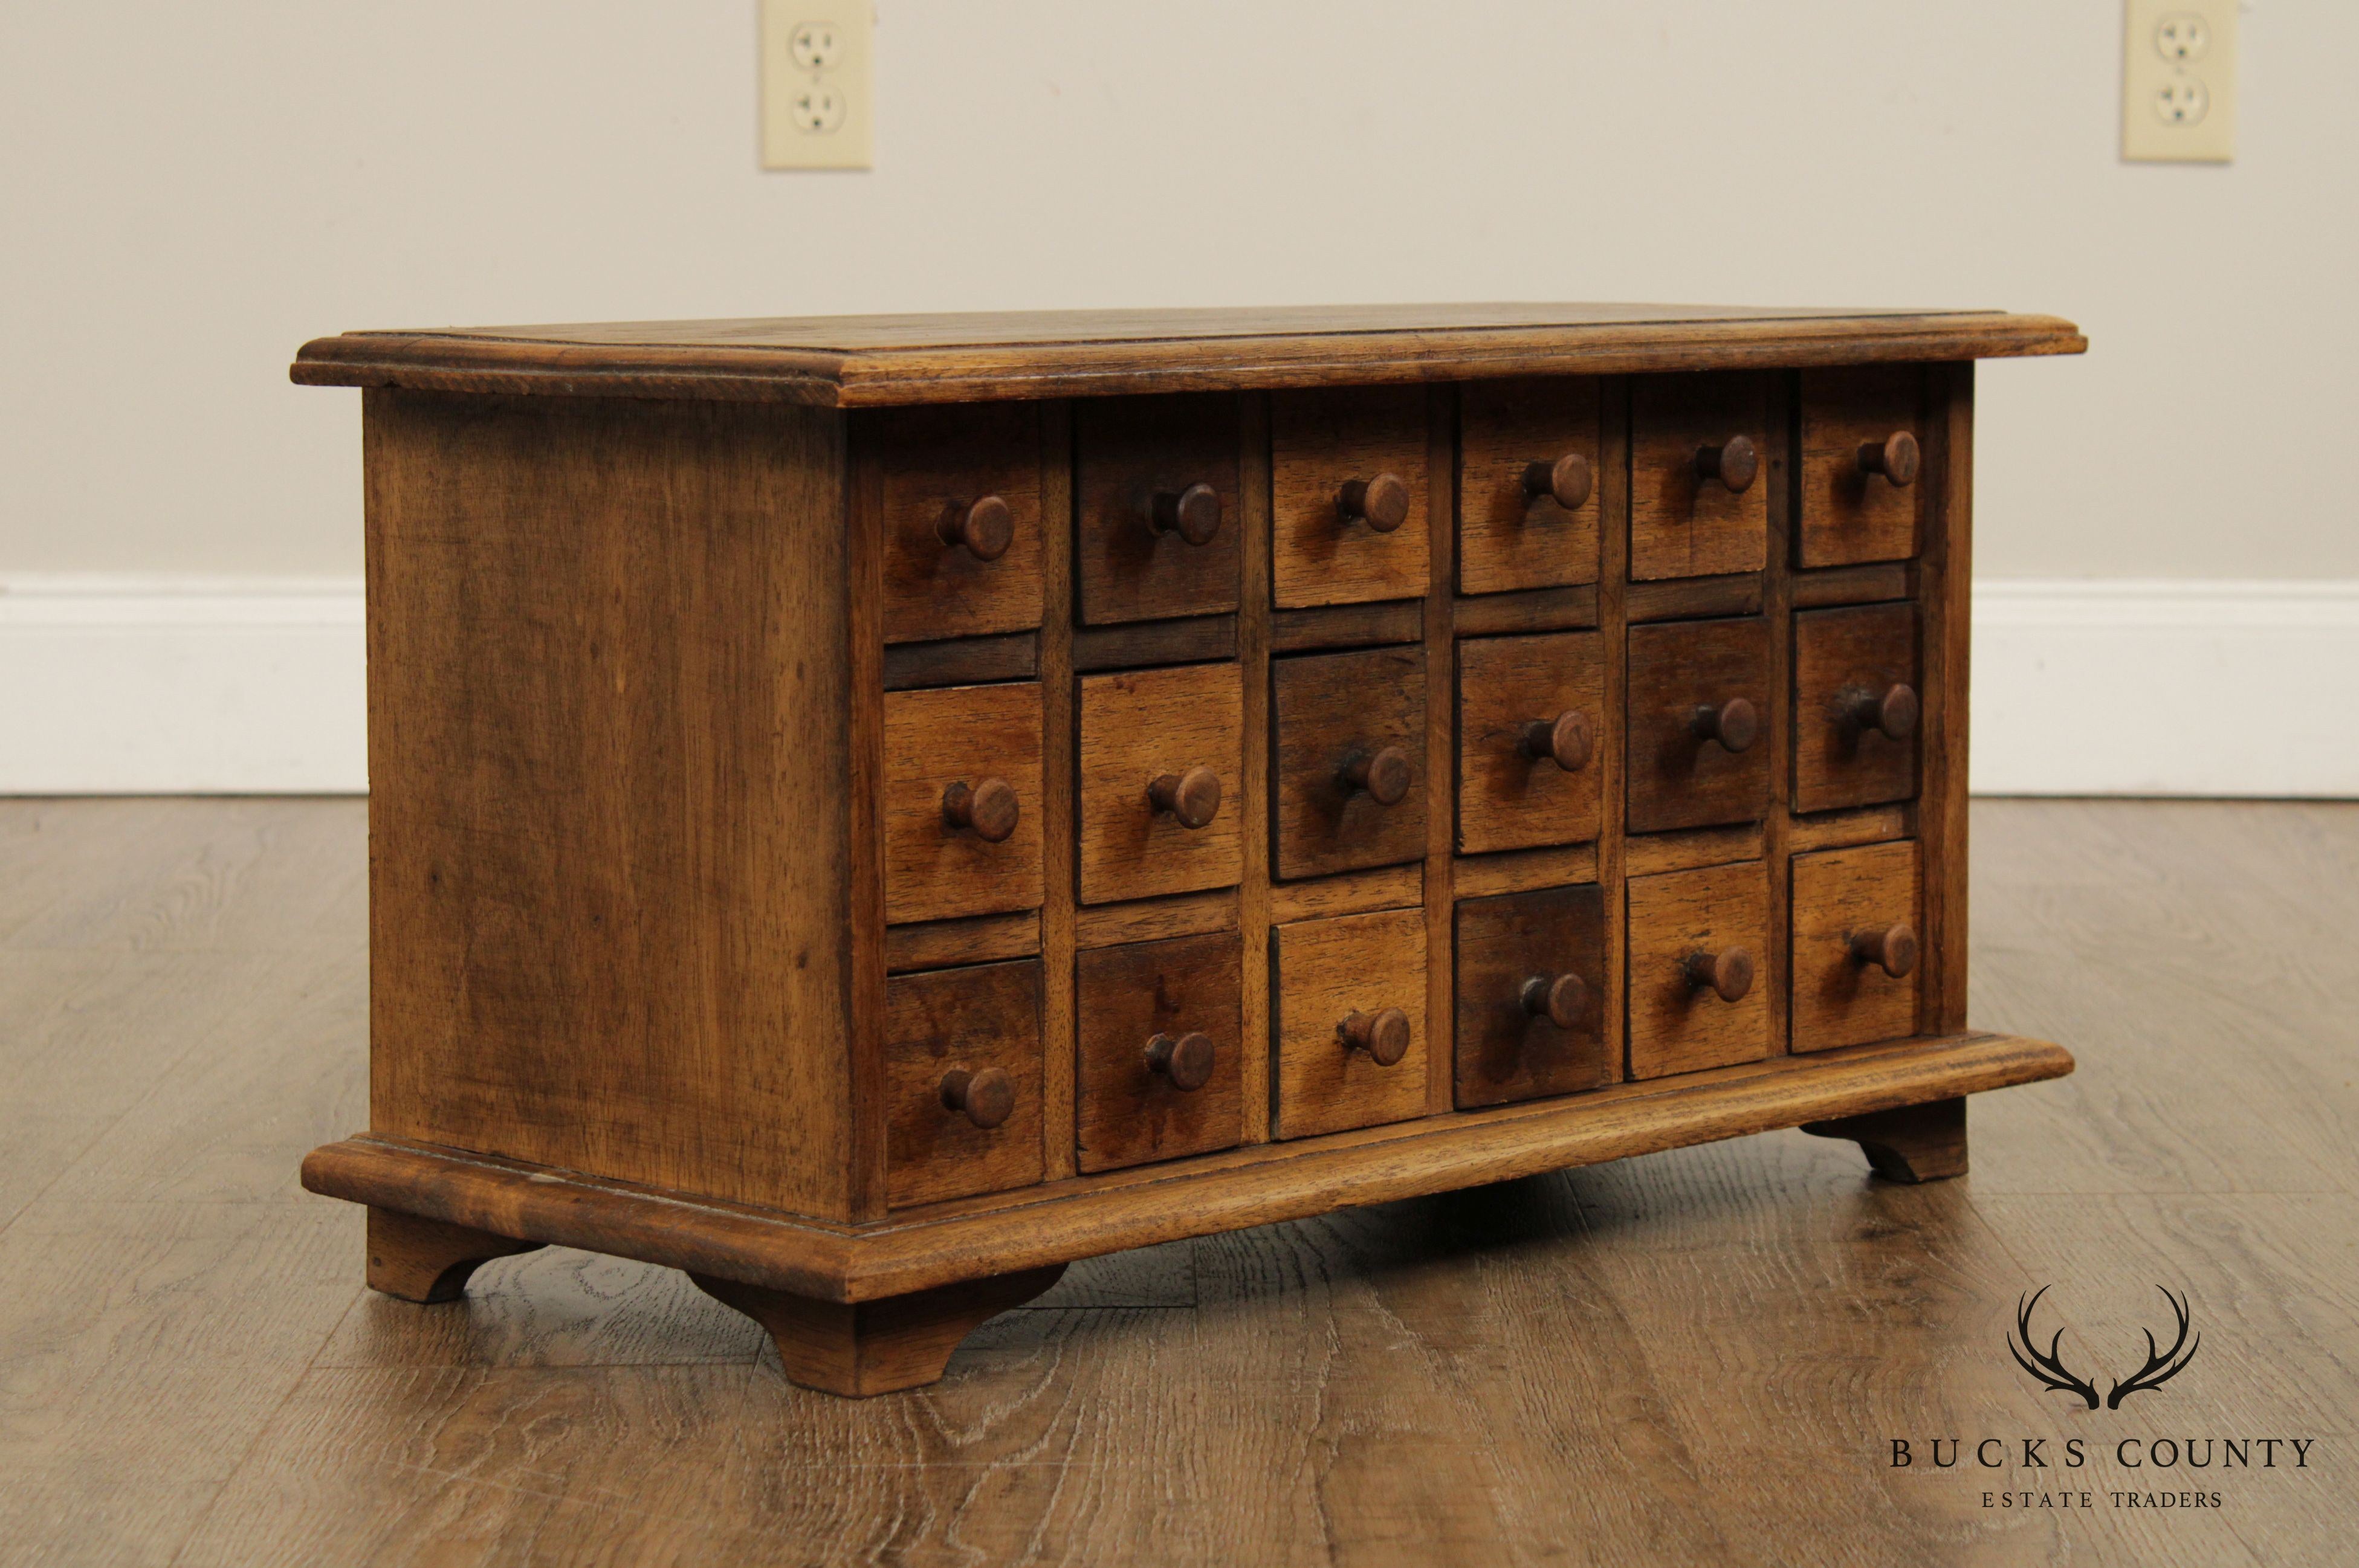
(874, 360)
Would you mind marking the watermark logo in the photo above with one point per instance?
(2049, 1367)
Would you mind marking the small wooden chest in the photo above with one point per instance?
(869, 811)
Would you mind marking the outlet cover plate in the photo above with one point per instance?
(2178, 82)
(819, 96)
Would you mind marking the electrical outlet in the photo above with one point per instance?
(2178, 82)
(818, 87)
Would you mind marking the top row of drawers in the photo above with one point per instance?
(1158, 481)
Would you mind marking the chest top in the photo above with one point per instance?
(879, 360)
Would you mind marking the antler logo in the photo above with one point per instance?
(2161, 1366)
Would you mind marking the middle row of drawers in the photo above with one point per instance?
(1161, 753)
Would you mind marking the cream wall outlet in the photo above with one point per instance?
(819, 99)
(2178, 82)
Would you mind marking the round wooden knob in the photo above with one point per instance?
(1735, 462)
(1383, 1035)
(988, 810)
(985, 1098)
(1381, 503)
(1728, 973)
(1385, 773)
(985, 528)
(1566, 480)
(1893, 712)
(1186, 1060)
(1556, 998)
(1735, 724)
(1194, 796)
(1892, 949)
(1193, 514)
(1568, 740)
(1896, 458)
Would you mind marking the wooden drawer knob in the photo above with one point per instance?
(1383, 1035)
(1186, 1060)
(1728, 973)
(1896, 458)
(1193, 514)
(988, 810)
(1194, 796)
(1568, 740)
(1384, 774)
(1381, 503)
(1735, 462)
(985, 528)
(1735, 724)
(1556, 998)
(1566, 480)
(1892, 949)
(1893, 712)
(985, 1098)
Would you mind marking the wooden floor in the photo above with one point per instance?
(1702, 1357)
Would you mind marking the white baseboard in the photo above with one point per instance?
(128, 685)
(2155, 687)
(181, 685)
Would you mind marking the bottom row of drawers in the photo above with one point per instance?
(1159, 1069)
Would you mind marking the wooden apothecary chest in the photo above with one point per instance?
(869, 811)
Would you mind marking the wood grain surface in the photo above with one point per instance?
(1327, 709)
(1508, 538)
(953, 735)
(1127, 451)
(1837, 893)
(1841, 658)
(1699, 1357)
(1677, 779)
(1676, 1025)
(983, 1018)
(1850, 515)
(1323, 971)
(1139, 726)
(1509, 798)
(1682, 525)
(934, 459)
(854, 361)
(1126, 1114)
(1504, 1052)
(1318, 442)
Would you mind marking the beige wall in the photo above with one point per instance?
(192, 190)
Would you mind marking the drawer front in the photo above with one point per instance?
(1531, 718)
(1161, 754)
(1856, 700)
(970, 751)
(1349, 760)
(1699, 723)
(1700, 475)
(1157, 492)
(1525, 448)
(1347, 495)
(1862, 448)
(961, 519)
(1350, 1002)
(1531, 989)
(962, 1082)
(1699, 990)
(1161, 1047)
(1855, 955)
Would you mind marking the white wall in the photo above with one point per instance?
(192, 190)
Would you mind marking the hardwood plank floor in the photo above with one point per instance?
(1699, 1357)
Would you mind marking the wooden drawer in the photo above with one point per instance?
(1347, 495)
(962, 519)
(1856, 957)
(962, 1082)
(1857, 691)
(1161, 754)
(1700, 475)
(1531, 989)
(1157, 491)
(1863, 450)
(1161, 1050)
(1349, 995)
(1531, 718)
(1524, 448)
(1699, 723)
(971, 751)
(1349, 759)
(1699, 995)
